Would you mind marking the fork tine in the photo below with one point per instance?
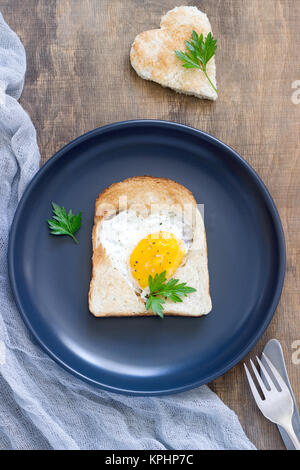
(265, 372)
(259, 379)
(253, 387)
(275, 372)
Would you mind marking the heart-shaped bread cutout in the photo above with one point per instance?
(153, 58)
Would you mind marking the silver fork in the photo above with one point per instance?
(277, 406)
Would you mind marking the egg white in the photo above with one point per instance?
(120, 234)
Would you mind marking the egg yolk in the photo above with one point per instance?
(154, 254)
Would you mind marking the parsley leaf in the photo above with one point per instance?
(156, 303)
(64, 223)
(199, 53)
(160, 289)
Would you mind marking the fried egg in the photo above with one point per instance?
(142, 245)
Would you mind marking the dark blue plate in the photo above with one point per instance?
(246, 255)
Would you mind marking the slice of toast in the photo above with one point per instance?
(110, 293)
(153, 58)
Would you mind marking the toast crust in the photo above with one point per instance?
(140, 192)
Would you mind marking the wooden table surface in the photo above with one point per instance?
(79, 77)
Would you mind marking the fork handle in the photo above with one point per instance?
(291, 433)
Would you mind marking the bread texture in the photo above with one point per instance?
(110, 294)
(153, 58)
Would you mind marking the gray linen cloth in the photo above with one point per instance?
(41, 405)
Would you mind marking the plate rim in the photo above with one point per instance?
(272, 209)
